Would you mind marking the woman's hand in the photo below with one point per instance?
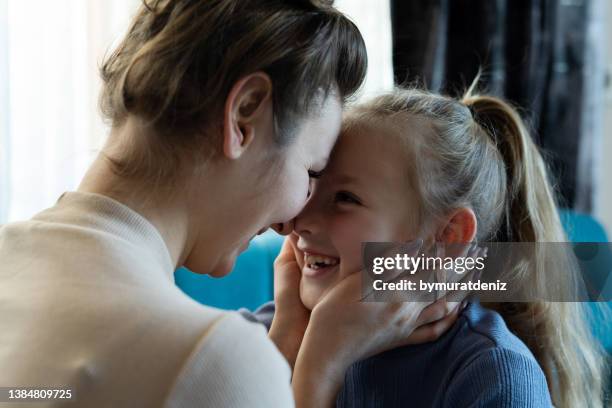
(291, 317)
(343, 329)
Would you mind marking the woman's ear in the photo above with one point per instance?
(460, 227)
(244, 107)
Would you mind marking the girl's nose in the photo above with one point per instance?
(307, 222)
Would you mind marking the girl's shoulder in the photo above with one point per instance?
(478, 362)
(487, 329)
(492, 364)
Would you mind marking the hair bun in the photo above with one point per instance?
(312, 3)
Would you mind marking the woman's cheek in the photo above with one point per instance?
(292, 196)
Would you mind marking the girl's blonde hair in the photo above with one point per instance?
(476, 152)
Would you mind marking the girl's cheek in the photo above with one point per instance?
(348, 235)
(351, 231)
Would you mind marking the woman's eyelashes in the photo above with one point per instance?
(345, 197)
(312, 177)
(314, 174)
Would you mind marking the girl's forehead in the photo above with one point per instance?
(369, 152)
(370, 139)
(399, 135)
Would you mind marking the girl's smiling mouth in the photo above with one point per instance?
(318, 264)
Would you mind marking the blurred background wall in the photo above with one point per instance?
(50, 128)
(544, 56)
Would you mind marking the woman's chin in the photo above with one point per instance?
(222, 268)
(225, 265)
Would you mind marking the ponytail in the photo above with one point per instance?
(557, 333)
(531, 210)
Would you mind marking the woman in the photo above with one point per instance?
(219, 110)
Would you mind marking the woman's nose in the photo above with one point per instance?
(283, 228)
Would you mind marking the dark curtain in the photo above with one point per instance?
(542, 55)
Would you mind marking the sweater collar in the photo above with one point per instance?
(104, 213)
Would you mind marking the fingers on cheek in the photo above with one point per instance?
(451, 307)
(407, 322)
(412, 318)
(427, 333)
(437, 329)
(284, 256)
(395, 307)
(433, 331)
(441, 310)
(434, 312)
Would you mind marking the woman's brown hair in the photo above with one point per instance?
(175, 66)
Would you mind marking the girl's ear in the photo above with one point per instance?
(460, 227)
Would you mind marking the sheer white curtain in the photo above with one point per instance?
(50, 128)
(4, 187)
(373, 17)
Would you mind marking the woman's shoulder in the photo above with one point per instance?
(242, 338)
(233, 364)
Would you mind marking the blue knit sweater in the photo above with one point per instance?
(477, 363)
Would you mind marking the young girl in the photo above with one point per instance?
(412, 164)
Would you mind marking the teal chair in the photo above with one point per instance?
(584, 228)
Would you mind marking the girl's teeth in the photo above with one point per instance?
(313, 260)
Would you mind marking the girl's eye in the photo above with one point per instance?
(344, 197)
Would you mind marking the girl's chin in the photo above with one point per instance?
(310, 301)
(308, 305)
(311, 294)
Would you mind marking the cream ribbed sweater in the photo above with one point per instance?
(88, 302)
